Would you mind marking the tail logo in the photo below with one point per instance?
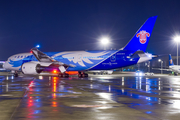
(170, 61)
(142, 36)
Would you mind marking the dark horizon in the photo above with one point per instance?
(69, 25)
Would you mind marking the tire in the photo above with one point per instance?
(84, 75)
(66, 75)
(63, 75)
(80, 75)
(60, 75)
(175, 74)
(15, 75)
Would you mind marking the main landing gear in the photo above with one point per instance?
(63, 75)
(15, 74)
(80, 75)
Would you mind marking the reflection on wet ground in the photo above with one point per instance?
(96, 97)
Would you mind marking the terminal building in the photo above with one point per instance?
(153, 65)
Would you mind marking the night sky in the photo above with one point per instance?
(69, 25)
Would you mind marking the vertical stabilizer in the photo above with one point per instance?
(140, 40)
(170, 61)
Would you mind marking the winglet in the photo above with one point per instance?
(140, 40)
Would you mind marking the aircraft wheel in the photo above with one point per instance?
(66, 75)
(175, 74)
(63, 75)
(59, 75)
(15, 75)
(80, 75)
(85, 75)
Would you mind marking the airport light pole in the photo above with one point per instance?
(161, 64)
(177, 39)
(149, 66)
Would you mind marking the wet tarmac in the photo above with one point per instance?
(100, 97)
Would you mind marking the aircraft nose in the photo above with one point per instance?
(4, 65)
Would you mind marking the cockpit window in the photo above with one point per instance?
(14, 56)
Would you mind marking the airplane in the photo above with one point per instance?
(36, 62)
(172, 67)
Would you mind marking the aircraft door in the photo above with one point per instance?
(79, 58)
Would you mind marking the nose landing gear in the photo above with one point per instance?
(15, 74)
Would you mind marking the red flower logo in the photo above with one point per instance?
(143, 36)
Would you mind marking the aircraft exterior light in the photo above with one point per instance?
(37, 46)
(54, 71)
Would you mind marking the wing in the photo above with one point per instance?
(40, 56)
(47, 61)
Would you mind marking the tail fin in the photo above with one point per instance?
(141, 38)
(170, 61)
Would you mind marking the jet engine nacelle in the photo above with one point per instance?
(32, 68)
